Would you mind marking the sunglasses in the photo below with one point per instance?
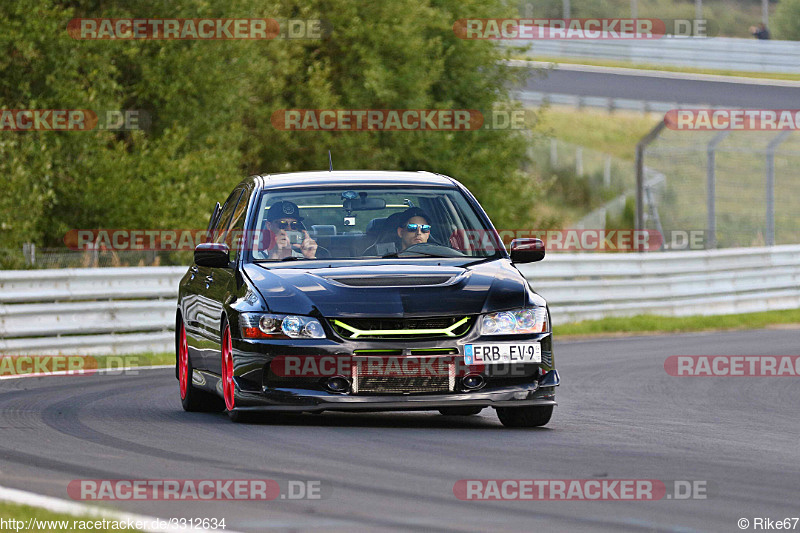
(285, 224)
(426, 228)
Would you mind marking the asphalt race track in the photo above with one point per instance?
(665, 89)
(620, 416)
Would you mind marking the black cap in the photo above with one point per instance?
(411, 212)
(284, 209)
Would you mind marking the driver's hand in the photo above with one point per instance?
(308, 246)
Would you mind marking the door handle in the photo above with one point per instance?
(193, 272)
(209, 281)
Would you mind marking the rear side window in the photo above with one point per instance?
(221, 229)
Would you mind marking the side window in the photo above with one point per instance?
(212, 221)
(236, 232)
(220, 230)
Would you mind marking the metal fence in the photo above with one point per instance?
(611, 180)
(129, 310)
(740, 188)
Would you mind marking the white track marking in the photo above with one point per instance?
(58, 505)
(82, 372)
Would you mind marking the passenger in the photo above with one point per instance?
(413, 228)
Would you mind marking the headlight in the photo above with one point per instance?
(516, 322)
(264, 326)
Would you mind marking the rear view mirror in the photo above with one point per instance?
(363, 203)
(212, 254)
(527, 250)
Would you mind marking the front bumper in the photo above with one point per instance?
(537, 393)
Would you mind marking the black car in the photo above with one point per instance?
(362, 291)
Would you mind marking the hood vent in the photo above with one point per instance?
(390, 281)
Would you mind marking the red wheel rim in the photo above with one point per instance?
(227, 369)
(183, 363)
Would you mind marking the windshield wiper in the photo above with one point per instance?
(480, 260)
(412, 253)
(290, 258)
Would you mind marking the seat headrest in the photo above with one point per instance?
(323, 229)
(376, 226)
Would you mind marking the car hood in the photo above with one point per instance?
(390, 290)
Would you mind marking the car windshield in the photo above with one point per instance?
(368, 223)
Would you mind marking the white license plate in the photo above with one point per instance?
(495, 354)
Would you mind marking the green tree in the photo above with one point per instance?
(210, 104)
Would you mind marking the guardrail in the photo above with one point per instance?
(128, 310)
(88, 311)
(727, 53)
(712, 282)
(537, 99)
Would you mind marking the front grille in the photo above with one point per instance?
(402, 328)
(384, 378)
(402, 384)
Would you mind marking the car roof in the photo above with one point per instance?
(354, 178)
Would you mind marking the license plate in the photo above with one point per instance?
(495, 354)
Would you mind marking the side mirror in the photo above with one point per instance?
(527, 250)
(211, 254)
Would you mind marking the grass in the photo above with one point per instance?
(612, 133)
(139, 359)
(81, 363)
(663, 68)
(665, 324)
(13, 511)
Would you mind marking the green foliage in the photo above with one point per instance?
(786, 23)
(210, 104)
(626, 219)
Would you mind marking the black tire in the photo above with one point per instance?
(195, 400)
(460, 411)
(525, 417)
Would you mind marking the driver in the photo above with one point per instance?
(285, 222)
(413, 227)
